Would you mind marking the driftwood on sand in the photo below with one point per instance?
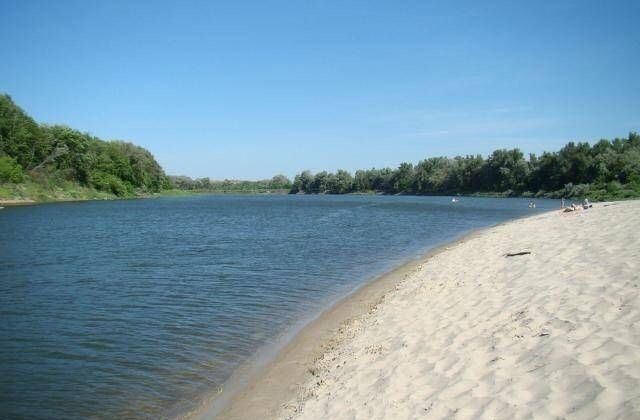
(515, 254)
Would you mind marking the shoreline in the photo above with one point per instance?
(546, 355)
(11, 202)
(31, 202)
(263, 390)
(537, 317)
(169, 193)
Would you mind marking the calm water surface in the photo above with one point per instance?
(135, 309)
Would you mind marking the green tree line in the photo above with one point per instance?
(608, 169)
(277, 183)
(55, 154)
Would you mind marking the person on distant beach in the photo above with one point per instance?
(572, 207)
(586, 204)
(562, 203)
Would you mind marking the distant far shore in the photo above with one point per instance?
(65, 197)
(533, 317)
(61, 196)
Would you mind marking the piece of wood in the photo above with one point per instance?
(515, 254)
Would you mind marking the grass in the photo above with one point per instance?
(45, 192)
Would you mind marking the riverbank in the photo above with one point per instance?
(24, 194)
(551, 332)
(29, 194)
(256, 391)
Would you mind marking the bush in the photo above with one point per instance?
(613, 187)
(110, 183)
(541, 194)
(576, 191)
(10, 170)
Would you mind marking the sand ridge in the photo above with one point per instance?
(471, 333)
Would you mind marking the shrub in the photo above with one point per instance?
(613, 187)
(110, 183)
(576, 191)
(10, 170)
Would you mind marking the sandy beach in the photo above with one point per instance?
(469, 332)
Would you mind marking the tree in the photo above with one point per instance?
(362, 181)
(506, 170)
(344, 182)
(10, 170)
(280, 182)
(319, 183)
(402, 179)
(56, 154)
(432, 175)
(302, 183)
(20, 136)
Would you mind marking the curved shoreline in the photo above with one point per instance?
(259, 390)
(474, 333)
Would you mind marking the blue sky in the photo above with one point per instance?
(250, 89)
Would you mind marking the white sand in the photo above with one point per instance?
(474, 334)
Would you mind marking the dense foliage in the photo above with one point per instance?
(10, 170)
(608, 169)
(60, 157)
(58, 154)
(275, 184)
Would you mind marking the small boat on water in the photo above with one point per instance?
(454, 200)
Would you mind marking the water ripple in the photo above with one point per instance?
(134, 309)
